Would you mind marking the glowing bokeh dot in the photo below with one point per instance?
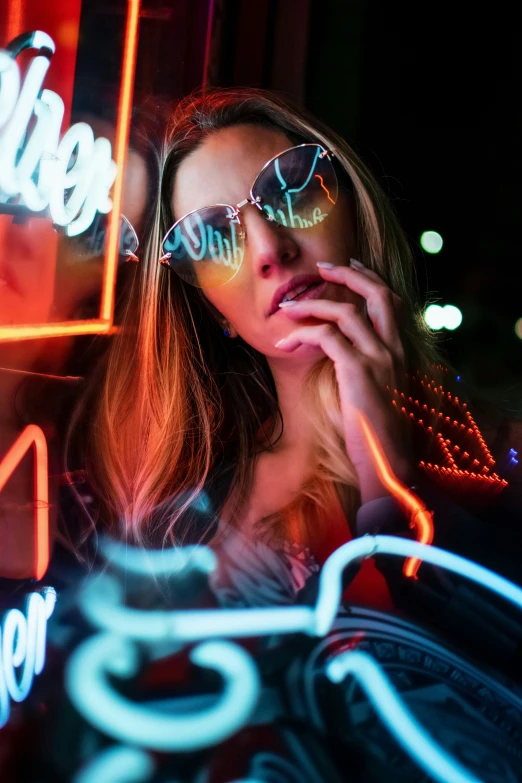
(447, 317)
(518, 328)
(431, 242)
(434, 316)
(452, 317)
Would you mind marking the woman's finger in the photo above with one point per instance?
(325, 336)
(348, 318)
(397, 301)
(379, 302)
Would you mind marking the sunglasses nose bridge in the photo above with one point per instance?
(236, 214)
(254, 201)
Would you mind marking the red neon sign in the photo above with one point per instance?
(33, 436)
(103, 323)
(420, 518)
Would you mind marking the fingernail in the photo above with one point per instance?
(325, 265)
(287, 304)
(280, 342)
(356, 264)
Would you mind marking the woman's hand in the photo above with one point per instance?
(369, 357)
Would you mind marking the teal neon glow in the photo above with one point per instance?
(282, 180)
(102, 602)
(397, 718)
(102, 599)
(121, 764)
(199, 240)
(431, 241)
(38, 166)
(158, 562)
(88, 671)
(22, 644)
(279, 175)
(89, 687)
(118, 765)
(294, 219)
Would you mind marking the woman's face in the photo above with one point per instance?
(221, 171)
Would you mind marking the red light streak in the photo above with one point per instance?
(33, 436)
(319, 177)
(122, 136)
(208, 41)
(420, 518)
(102, 324)
(15, 19)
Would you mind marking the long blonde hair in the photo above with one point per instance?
(177, 408)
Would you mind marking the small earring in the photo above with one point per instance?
(226, 332)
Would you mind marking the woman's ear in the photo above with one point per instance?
(229, 330)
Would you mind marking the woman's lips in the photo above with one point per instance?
(312, 293)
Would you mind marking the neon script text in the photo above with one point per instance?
(71, 176)
(22, 646)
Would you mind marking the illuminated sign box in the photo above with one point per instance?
(50, 175)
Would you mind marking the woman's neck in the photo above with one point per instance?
(297, 429)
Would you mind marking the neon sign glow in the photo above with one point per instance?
(101, 600)
(103, 323)
(105, 708)
(159, 562)
(33, 436)
(23, 638)
(399, 721)
(420, 518)
(88, 685)
(91, 175)
(121, 764)
(117, 765)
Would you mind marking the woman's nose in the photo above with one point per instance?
(268, 244)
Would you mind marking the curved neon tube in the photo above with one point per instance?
(102, 599)
(22, 645)
(87, 677)
(117, 765)
(158, 562)
(397, 718)
(420, 518)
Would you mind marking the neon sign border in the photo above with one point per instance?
(104, 323)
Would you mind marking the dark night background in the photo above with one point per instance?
(428, 94)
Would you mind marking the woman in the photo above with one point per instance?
(229, 407)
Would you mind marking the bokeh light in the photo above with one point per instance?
(447, 317)
(518, 328)
(431, 242)
(434, 316)
(452, 317)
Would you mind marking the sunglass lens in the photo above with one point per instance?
(299, 188)
(128, 238)
(206, 247)
(92, 243)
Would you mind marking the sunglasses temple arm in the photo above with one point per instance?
(130, 256)
(164, 260)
